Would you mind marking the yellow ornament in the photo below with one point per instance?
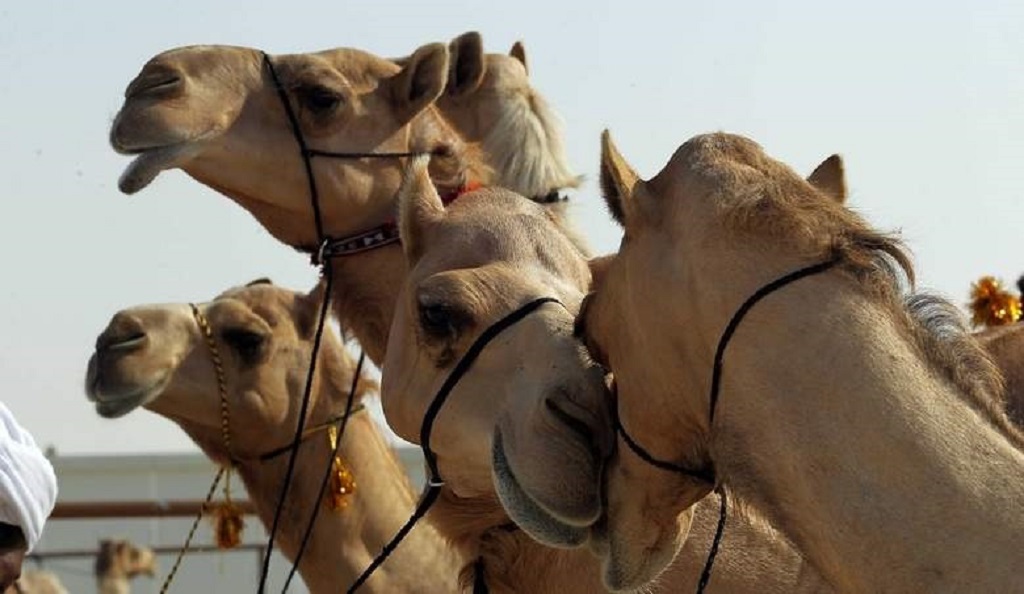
(343, 483)
(991, 305)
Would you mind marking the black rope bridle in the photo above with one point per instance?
(435, 483)
(323, 251)
(333, 247)
(707, 475)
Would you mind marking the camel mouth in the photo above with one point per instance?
(524, 511)
(149, 162)
(118, 402)
(114, 409)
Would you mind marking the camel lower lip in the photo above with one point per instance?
(148, 163)
(114, 408)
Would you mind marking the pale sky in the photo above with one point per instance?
(924, 100)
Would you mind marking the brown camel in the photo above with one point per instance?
(216, 112)
(863, 424)
(451, 296)
(118, 562)
(157, 357)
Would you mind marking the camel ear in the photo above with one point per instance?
(307, 312)
(422, 79)
(466, 63)
(618, 181)
(518, 52)
(419, 207)
(830, 178)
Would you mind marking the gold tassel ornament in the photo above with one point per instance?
(227, 519)
(343, 484)
(992, 305)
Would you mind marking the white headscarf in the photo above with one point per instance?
(28, 485)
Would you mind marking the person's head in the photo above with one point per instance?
(13, 548)
(28, 492)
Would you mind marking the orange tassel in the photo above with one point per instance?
(343, 483)
(227, 525)
(227, 519)
(991, 305)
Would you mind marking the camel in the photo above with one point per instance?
(156, 357)
(490, 102)
(519, 252)
(860, 422)
(198, 140)
(1005, 343)
(118, 562)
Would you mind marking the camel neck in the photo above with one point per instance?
(344, 542)
(366, 288)
(112, 585)
(872, 462)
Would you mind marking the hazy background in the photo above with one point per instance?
(925, 101)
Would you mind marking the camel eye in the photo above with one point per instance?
(442, 321)
(320, 100)
(246, 343)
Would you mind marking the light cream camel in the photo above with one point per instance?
(472, 264)
(862, 425)
(490, 102)
(156, 357)
(120, 561)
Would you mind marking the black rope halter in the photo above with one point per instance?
(434, 484)
(323, 251)
(707, 475)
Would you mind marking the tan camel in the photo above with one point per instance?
(214, 112)
(118, 562)
(1005, 345)
(862, 424)
(452, 295)
(156, 357)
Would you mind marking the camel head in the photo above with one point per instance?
(157, 357)
(719, 221)
(489, 100)
(472, 264)
(122, 559)
(216, 113)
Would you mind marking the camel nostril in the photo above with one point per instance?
(125, 332)
(573, 423)
(159, 80)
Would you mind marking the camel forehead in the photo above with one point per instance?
(498, 227)
(358, 67)
(266, 300)
(719, 163)
(202, 57)
(495, 224)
